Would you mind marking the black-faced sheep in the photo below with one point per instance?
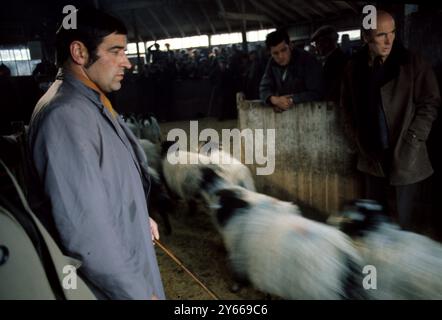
(282, 253)
(408, 265)
(150, 130)
(188, 178)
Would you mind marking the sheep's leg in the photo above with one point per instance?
(239, 281)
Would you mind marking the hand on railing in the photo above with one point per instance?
(281, 103)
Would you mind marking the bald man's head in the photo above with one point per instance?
(380, 40)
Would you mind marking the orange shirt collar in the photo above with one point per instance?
(90, 84)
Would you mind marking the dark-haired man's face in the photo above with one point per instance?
(108, 71)
(281, 53)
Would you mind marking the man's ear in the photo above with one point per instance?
(79, 53)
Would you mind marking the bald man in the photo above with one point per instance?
(391, 98)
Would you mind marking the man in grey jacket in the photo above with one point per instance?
(90, 183)
(292, 76)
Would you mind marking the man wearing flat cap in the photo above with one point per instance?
(333, 60)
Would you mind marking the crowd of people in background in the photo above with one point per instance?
(228, 68)
(203, 63)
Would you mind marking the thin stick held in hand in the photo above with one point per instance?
(170, 254)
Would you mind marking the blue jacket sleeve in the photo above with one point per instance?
(66, 154)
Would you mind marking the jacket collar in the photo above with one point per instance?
(397, 57)
(117, 123)
(68, 77)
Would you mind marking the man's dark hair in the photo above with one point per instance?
(92, 26)
(276, 37)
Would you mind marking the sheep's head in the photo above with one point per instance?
(230, 202)
(359, 216)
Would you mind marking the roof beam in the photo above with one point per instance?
(335, 10)
(313, 9)
(192, 22)
(241, 8)
(245, 16)
(350, 5)
(174, 20)
(279, 10)
(212, 27)
(137, 39)
(274, 18)
(133, 5)
(222, 10)
(145, 27)
(326, 6)
(163, 28)
(295, 9)
(333, 5)
(296, 14)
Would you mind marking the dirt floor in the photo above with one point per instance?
(197, 245)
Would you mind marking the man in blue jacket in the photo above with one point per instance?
(292, 76)
(90, 183)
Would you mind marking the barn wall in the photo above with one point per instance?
(180, 100)
(315, 163)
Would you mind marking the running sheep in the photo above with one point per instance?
(153, 153)
(189, 180)
(282, 253)
(147, 129)
(150, 130)
(133, 124)
(408, 265)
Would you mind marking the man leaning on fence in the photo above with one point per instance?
(292, 76)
